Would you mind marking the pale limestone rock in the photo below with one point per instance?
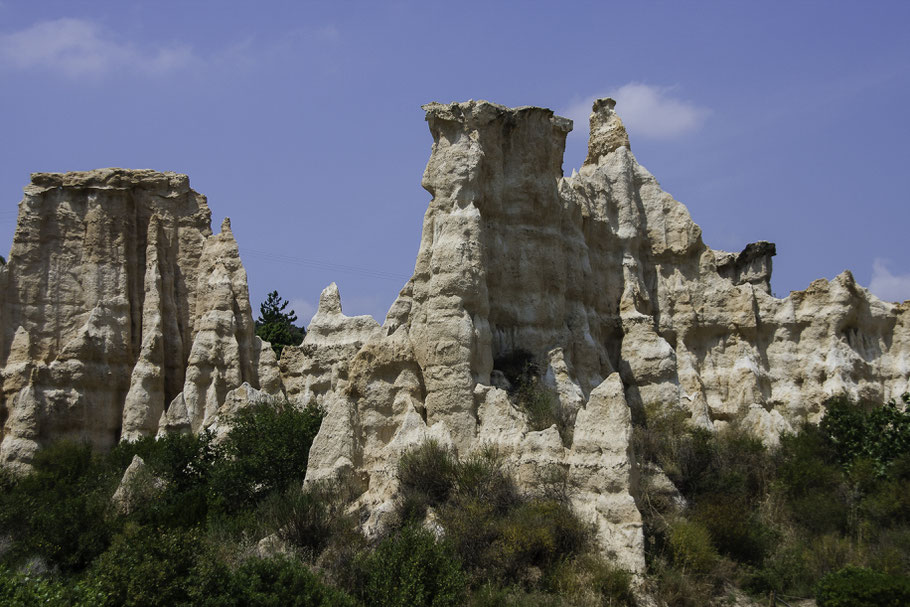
(311, 369)
(603, 472)
(655, 484)
(138, 486)
(604, 280)
(238, 399)
(113, 288)
(118, 308)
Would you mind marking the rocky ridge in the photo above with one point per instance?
(121, 315)
(120, 312)
(602, 279)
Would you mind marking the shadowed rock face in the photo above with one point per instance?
(603, 279)
(116, 300)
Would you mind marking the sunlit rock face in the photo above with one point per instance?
(122, 315)
(604, 281)
(118, 302)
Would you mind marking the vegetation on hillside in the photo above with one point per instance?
(826, 515)
(276, 326)
(797, 520)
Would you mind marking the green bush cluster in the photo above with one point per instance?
(833, 495)
(411, 568)
(514, 548)
(65, 543)
(195, 541)
(859, 587)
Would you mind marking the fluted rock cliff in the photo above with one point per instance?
(602, 279)
(120, 311)
(122, 315)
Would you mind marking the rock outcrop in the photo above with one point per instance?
(603, 281)
(120, 312)
(121, 315)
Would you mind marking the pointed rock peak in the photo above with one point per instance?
(154, 230)
(607, 131)
(226, 226)
(21, 349)
(330, 300)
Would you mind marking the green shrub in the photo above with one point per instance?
(186, 463)
(286, 583)
(811, 481)
(427, 475)
(310, 518)
(784, 569)
(57, 511)
(410, 569)
(592, 580)
(541, 404)
(858, 587)
(148, 567)
(674, 587)
(734, 528)
(497, 533)
(481, 476)
(538, 401)
(538, 533)
(18, 590)
(692, 547)
(266, 450)
(863, 430)
(490, 595)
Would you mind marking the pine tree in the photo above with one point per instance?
(276, 326)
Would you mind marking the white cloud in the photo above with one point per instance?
(328, 33)
(888, 286)
(79, 48)
(646, 111)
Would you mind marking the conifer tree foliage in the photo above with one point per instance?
(276, 326)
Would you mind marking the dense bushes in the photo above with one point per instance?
(501, 537)
(59, 519)
(410, 568)
(56, 516)
(826, 512)
(266, 451)
(466, 534)
(832, 496)
(858, 587)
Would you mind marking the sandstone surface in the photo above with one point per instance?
(603, 280)
(122, 315)
(119, 310)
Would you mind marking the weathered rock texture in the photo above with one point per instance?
(121, 315)
(603, 279)
(120, 312)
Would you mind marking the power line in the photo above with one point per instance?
(325, 265)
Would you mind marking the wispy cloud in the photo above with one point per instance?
(328, 33)
(78, 48)
(647, 111)
(888, 286)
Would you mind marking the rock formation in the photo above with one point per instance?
(120, 312)
(603, 280)
(121, 315)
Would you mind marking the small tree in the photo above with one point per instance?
(276, 326)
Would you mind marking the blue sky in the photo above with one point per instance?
(781, 121)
